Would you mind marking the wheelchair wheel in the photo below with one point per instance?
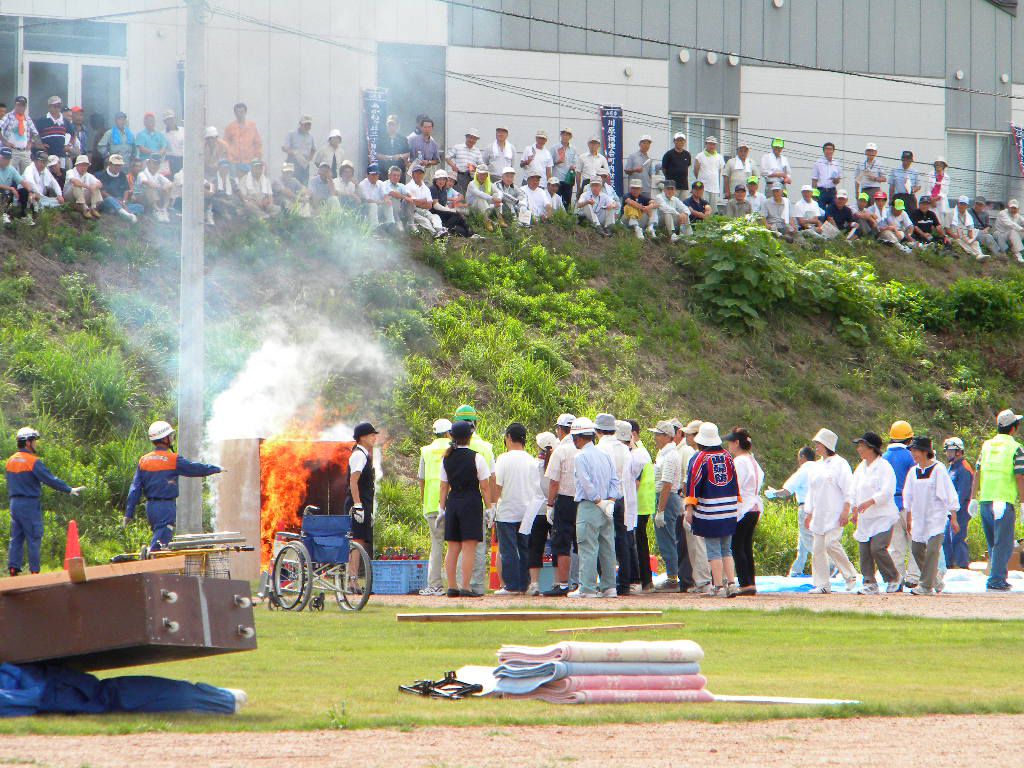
(352, 589)
(293, 576)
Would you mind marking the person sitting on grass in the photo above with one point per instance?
(464, 491)
(639, 211)
(932, 502)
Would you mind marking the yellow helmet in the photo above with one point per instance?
(901, 430)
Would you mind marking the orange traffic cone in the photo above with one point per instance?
(72, 550)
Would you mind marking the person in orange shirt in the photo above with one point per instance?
(243, 140)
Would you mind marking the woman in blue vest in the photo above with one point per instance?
(464, 490)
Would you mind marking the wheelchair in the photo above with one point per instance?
(321, 559)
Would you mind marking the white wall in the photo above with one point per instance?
(815, 107)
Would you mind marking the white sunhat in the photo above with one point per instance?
(963, 200)
(806, 188)
(666, 428)
(828, 438)
(546, 440)
(842, 193)
(871, 147)
(441, 175)
(679, 135)
(1013, 204)
(693, 427)
(623, 431)
(594, 140)
(708, 436)
(582, 426)
(646, 137)
(473, 132)
(442, 427)
(508, 169)
(82, 159)
(52, 160)
(565, 420)
(712, 140)
(334, 134)
(211, 132)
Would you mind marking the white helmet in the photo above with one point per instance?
(27, 433)
(582, 426)
(953, 444)
(158, 430)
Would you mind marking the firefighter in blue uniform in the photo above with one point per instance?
(26, 475)
(157, 478)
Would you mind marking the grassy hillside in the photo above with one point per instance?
(732, 327)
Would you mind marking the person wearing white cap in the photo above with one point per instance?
(537, 158)
(667, 475)
(393, 148)
(174, 137)
(937, 187)
(323, 190)
(826, 174)
(630, 482)
(838, 213)
(640, 166)
(378, 205)
(82, 188)
(708, 167)
(646, 501)
(565, 170)
(596, 487)
(1008, 228)
(808, 217)
(694, 571)
(537, 199)
(554, 188)
(828, 512)
(300, 148)
(639, 211)
(214, 150)
(870, 175)
(43, 189)
(961, 230)
(423, 216)
(401, 200)
(446, 205)
(243, 139)
(535, 524)
(482, 197)
(999, 488)
(776, 213)
(561, 503)
(463, 160)
(592, 164)
(675, 163)
(738, 170)
(117, 190)
(429, 476)
(332, 153)
(290, 194)
(594, 206)
(501, 154)
(672, 211)
(609, 442)
(512, 196)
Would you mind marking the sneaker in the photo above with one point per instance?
(432, 592)
(5, 219)
(670, 585)
(820, 591)
(909, 584)
(983, 257)
(28, 221)
(651, 233)
(581, 593)
(610, 592)
(731, 590)
(674, 238)
(240, 698)
(1007, 588)
(503, 592)
(648, 589)
(636, 589)
(893, 588)
(711, 591)
(209, 219)
(533, 590)
(639, 233)
(557, 591)
(851, 585)
(919, 590)
(1020, 258)
(703, 589)
(868, 589)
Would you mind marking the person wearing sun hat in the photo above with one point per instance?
(775, 166)
(930, 498)
(708, 167)
(463, 160)
(537, 158)
(469, 414)
(639, 211)
(937, 187)
(82, 188)
(1008, 228)
(640, 166)
(561, 507)
(999, 488)
(429, 475)
(961, 230)
(874, 513)
(870, 175)
(828, 512)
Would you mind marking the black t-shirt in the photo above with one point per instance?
(642, 199)
(696, 205)
(926, 221)
(843, 217)
(676, 166)
(115, 186)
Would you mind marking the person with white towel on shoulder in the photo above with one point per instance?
(828, 512)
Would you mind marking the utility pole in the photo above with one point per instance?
(192, 294)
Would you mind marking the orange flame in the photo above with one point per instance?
(286, 466)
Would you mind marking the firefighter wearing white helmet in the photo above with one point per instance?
(26, 475)
(954, 543)
(157, 477)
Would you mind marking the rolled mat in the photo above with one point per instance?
(621, 697)
(518, 677)
(679, 651)
(626, 683)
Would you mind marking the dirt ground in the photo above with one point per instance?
(946, 606)
(892, 742)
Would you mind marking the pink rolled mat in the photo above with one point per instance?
(625, 683)
(680, 651)
(621, 697)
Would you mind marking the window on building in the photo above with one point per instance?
(8, 59)
(91, 38)
(698, 127)
(979, 164)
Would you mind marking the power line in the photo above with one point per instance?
(759, 59)
(124, 14)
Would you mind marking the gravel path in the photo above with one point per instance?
(981, 606)
(892, 742)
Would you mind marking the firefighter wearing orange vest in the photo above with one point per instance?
(157, 478)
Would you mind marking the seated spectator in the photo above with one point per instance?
(226, 202)
(289, 193)
(554, 189)
(482, 197)
(672, 211)
(214, 150)
(423, 216)
(962, 232)
(118, 140)
(595, 207)
(699, 208)
(1008, 229)
(738, 204)
(323, 189)
(80, 186)
(348, 195)
(333, 153)
(54, 167)
(863, 218)
(808, 217)
(117, 190)
(776, 213)
(12, 188)
(463, 160)
(536, 199)
(754, 196)
(149, 141)
(609, 188)
(639, 211)
(155, 189)
(43, 189)
(451, 218)
(511, 196)
(256, 191)
(376, 202)
(927, 228)
(839, 214)
(879, 210)
(401, 200)
(982, 225)
(899, 224)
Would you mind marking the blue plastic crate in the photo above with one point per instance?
(399, 577)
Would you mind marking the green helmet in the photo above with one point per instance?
(465, 413)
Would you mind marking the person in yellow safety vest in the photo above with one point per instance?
(430, 489)
(999, 487)
(485, 449)
(646, 502)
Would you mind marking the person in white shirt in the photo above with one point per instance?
(537, 158)
(750, 477)
(640, 166)
(777, 214)
(754, 196)
(1008, 227)
(536, 198)
(672, 212)
(348, 195)
(401, 201)
(482, 197)
(828, 512)
(423, 216)
(174, 135)
(38, 180)
(463, 160)
(870, 174)
(515, 476)
(898, 222)
(596, 208)
(668, 505)
(807, 215)
(593, 164)
(961, 230)
(84, 189)
(609, 444)
(156, 189)
(377, 203)
(874, 512)
(738, 170)
(707, 168)
(775, 165)
(257, 192)
(931, 501)
(557, 204)
(796, 485)
(511, 196)
(501, 154)
(630, 507)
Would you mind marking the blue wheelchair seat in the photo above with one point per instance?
(327, 537)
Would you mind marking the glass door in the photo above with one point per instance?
(94, 83)
(46, 78)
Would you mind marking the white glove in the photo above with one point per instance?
(550, 514)
(489, 514)
(358, 514)
(972, 508)
(77, 491)
(608, 507)
(659, 520)
(439, 520)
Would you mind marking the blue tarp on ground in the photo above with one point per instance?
(957, 582)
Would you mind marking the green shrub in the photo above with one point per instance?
(986, 305)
